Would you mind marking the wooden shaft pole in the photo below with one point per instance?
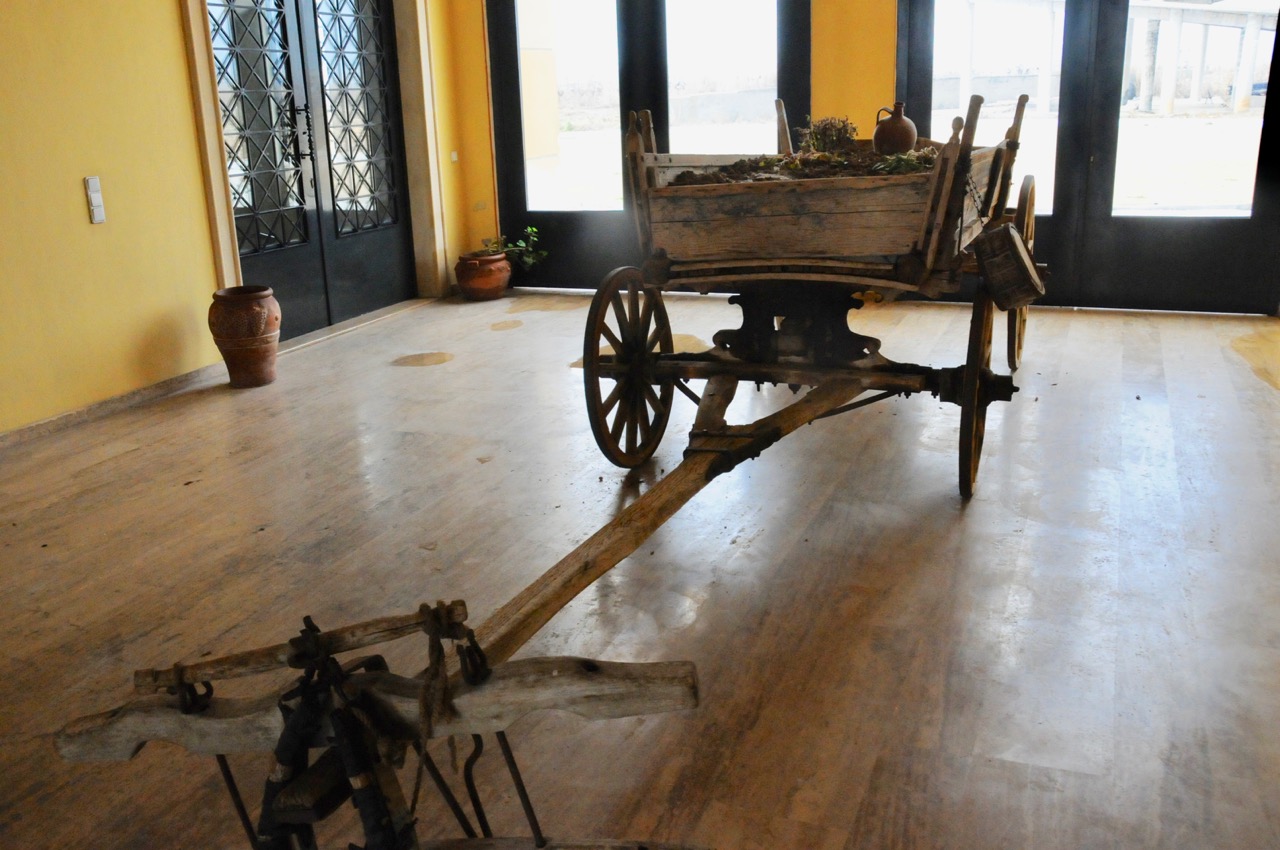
(512, 625)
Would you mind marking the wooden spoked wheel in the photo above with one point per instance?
(1024, 219)
(973, 393)
(627, 331)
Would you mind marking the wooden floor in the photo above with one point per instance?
(1085, 655)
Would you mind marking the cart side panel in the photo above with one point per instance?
(660, 169)
(838, 217)
(980, 197)
(648, 170)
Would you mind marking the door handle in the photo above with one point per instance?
(303, 130)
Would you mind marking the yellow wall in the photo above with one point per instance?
(88, 312)
(854, 59)
(460, 68)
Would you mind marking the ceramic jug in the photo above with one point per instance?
(894, 134)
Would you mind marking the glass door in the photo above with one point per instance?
(1145, 133)
(568, 70)
(1193, 91)
(1002, 49)
(721, 90)
(565, 73)
(1174, 214)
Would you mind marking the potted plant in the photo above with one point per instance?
(485, 274)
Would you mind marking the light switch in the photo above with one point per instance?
(93, 192)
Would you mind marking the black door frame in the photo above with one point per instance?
(584, 246)
(1097, 259)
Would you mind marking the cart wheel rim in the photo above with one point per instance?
(1017, 332)
(627, 404)
(973, 400)
(1024, 219)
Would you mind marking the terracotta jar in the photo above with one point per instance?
(895, 134)
(483, 277)
(245, 323)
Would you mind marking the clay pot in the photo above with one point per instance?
(895, 134)
(483, 277)
(245, 323)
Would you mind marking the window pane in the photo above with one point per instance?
(722, 76)
(569, 104)
(1195, 85)
(1001, 49)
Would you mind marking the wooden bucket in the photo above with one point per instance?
(1010, 273)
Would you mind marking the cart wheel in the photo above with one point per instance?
(973, 395)
(1024, 218)
(627, 331)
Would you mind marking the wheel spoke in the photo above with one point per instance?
(655, 337)
(633, 295)
(619, 422)
(659, 409)
(642, 417)
(607, 333)
(612, 399)
(631, 425)
(646, 314)
(619, 312)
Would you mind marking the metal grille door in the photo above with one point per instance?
(353, 72)
(259, 123)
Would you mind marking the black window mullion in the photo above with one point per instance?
(504, 75)
(642, 64)
(914, 85)
(795, 61)
(1266, 187)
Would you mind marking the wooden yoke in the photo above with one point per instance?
(488, 703)
(591, 689)
(292, 654)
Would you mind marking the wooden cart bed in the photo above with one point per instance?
(894, 232)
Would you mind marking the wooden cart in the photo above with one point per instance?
(798, 255)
